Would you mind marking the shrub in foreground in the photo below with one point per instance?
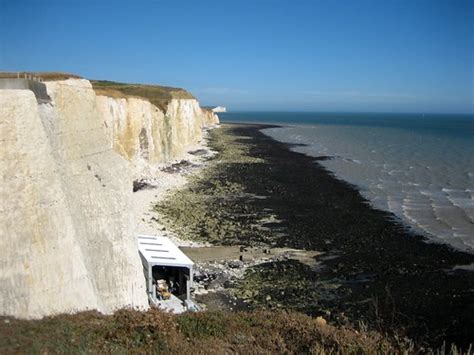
(154, 331)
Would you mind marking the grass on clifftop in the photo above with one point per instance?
(129, 331)
(158, 95)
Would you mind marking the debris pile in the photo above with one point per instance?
(179, 167)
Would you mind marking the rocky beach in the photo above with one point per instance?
(241, 177)
(283, 233)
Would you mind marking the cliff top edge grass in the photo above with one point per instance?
(158, 95)
(154, 331)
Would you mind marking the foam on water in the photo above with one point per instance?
(423, 176)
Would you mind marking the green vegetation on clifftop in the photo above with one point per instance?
(158, 95)
(154, 331)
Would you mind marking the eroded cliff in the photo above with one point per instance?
(67, 236)
(145, 135)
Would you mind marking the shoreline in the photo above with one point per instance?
(411, 228)
(408, 221)
(411, 225)
(372, 269)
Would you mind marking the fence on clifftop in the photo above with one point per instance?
(19, 75)
(25, 81)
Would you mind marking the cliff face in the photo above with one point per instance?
(144, 134)
(67, 238)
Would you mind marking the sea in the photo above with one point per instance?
(418, 166)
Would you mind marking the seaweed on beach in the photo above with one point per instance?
(287, 285)
(256, 191)
(214, 207)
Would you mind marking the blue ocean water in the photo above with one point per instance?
(420, 167)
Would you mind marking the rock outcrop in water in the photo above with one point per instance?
(67, 238)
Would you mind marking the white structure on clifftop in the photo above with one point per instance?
(219, 109)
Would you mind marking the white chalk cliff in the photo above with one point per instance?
(67, 236)
(144, 135)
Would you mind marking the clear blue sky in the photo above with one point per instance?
(393, 55)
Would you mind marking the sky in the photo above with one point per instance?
(277, 55)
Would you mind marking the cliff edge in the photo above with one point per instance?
(67, 235)
(150, 124)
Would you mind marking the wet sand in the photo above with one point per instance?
(372, 268)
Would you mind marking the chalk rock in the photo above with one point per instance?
(67, 233)
(144, 135)
(67, 239)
